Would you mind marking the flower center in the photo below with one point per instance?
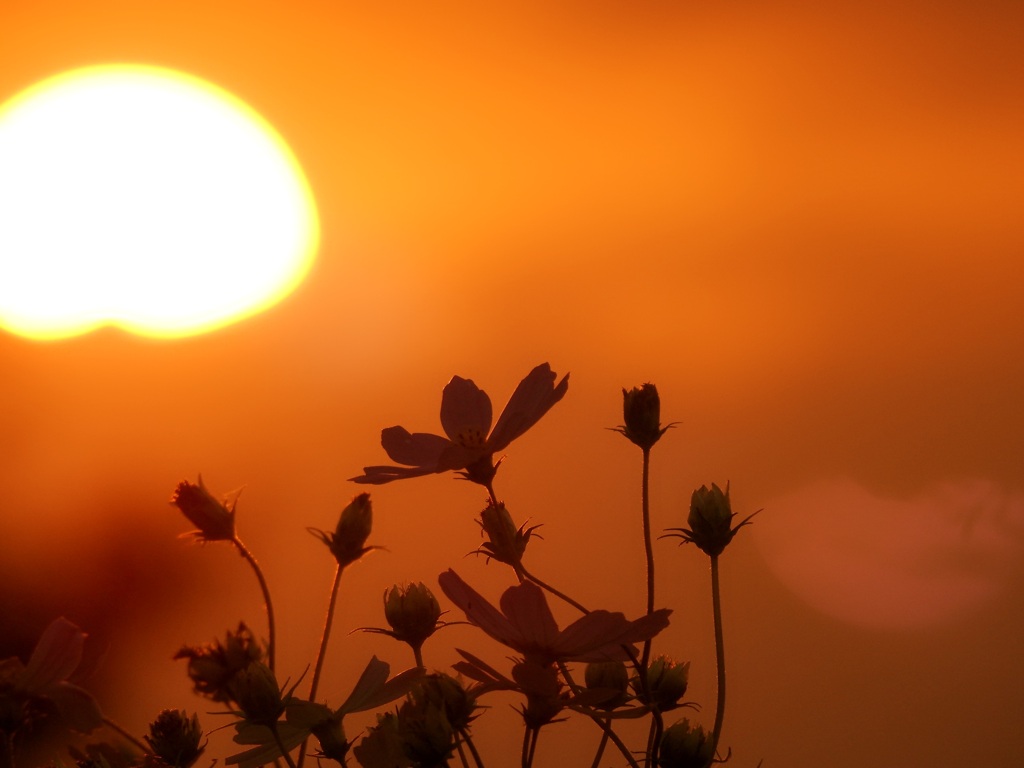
(473, 439)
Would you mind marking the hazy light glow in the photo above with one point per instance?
(147, 199)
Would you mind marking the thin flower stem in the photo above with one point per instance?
(417, 653)
(561, 595)
(124, 733)
(645, 504)
(525, 760)
(716, 601)
(280, 745)
(462, 753)
(533, 746)
(602, 744)
(322, 653)
(603, 723)
(464, 732)
(247, 555)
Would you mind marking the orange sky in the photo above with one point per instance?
(802, 222)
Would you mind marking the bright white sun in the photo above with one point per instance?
(147, 199)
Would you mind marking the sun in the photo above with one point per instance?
(146, 199)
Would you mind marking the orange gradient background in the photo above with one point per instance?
(801, 221)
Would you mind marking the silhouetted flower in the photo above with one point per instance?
(641, 412)
(348, 541)
(214, 666)
(525, 624)
(28, 690)
(470, 444)
(710, 520)
(214, 520)
(610, 681)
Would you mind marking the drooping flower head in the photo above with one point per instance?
(470, 442)
(525, 624)
(214, 520)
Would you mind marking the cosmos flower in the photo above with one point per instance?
(44, 679)
(525, 624)
(470, 444)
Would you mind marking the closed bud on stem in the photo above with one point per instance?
(257, 694)
(348, 542)
(333, 744)
(447, 693)
(667, 681)
(505, 542)
(609, 676)
(710, 520)
(641, 412)
(174, 738)
(685, 746)
(412, 611)
(213, 519)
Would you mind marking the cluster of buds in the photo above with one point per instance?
(348, 541)
(710, 520)
(505, 542)
(424, 730)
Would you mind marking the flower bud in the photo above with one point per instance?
(710, 520)
(667, 681)
(611, 677)
(641, 411)
(427, 736)
(214, 520)
(506, 543)
(333, 744)
(257, 694)
(212, 667)
(382, 745)
(446, 692)
(413, 612)
(348, 542)
(685, 746)
(174, 738)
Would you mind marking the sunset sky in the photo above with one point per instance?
(801, 221)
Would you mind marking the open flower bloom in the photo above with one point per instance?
(525, 624)
(470, 444)
(45, 678)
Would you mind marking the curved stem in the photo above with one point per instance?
(716, 601)
(525, 760)
(247, 555)
(322, 653)
(124, 734)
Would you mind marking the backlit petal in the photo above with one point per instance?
(416, 449)
(54, 658)
(532, 399)
(478, 611)
(528, 611)
(381, 474)
(465, 412)
(601, 635)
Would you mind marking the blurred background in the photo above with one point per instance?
(802, 222)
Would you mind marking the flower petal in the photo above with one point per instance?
(55, 657)
(601, 635)
(465, 412)
(531, 400)
(417, 449)
(381, 474)
(478, 611)
(527, 610)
